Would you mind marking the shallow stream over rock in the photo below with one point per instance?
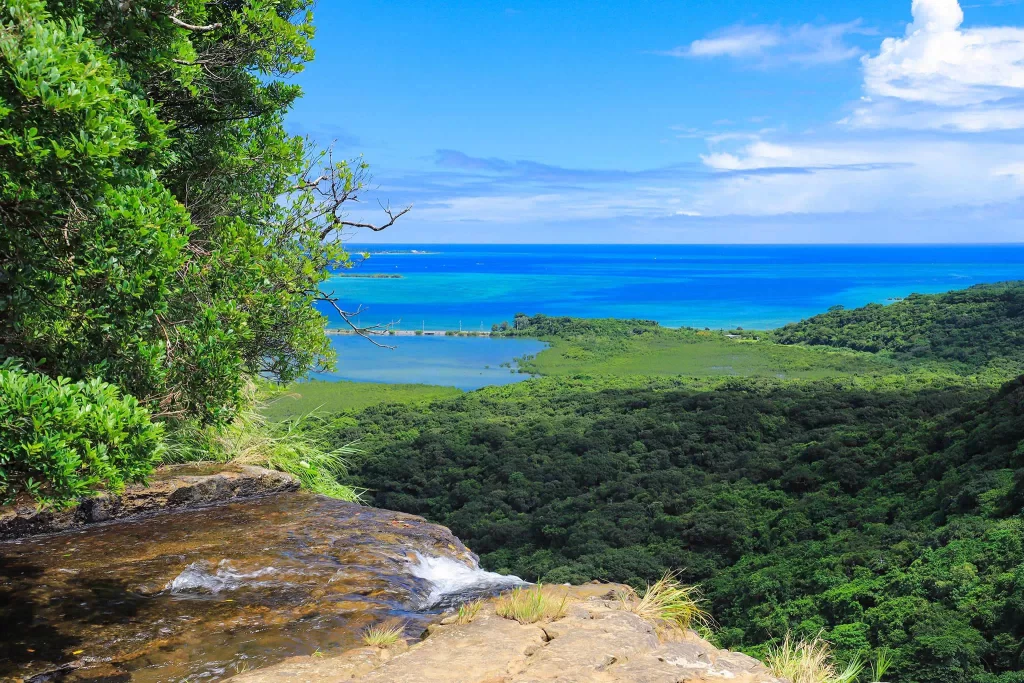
(205, 594)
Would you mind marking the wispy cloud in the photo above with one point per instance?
(773, 44)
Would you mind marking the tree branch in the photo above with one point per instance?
(392, 217)
(192, 27)
(363, 332)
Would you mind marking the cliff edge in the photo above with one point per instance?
(597, 640)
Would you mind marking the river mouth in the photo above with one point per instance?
(206, 594)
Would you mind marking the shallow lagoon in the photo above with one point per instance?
(464, 362)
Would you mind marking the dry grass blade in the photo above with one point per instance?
(530, 605)
(297, 447)
(384, 634)
(669, 600)
(810, 661)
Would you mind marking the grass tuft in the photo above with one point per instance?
(530, 605)
(468, 611)
(668, 600)
(384, 634)
(881, 664)
(297, 446)
(810, 661)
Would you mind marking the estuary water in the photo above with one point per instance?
(753, 286)
(464, 362)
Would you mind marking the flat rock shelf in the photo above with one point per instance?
(596, 641)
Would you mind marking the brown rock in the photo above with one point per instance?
(174, 487)
(596, 641)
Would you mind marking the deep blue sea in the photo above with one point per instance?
(702, 286)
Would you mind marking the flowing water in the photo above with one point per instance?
(204, 594)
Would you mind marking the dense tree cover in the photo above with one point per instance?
(973, 326)
(885, 517)
(159, 229)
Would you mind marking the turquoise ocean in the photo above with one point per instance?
(755, 286)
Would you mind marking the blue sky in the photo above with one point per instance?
(659, 122)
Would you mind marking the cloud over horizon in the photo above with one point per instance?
(932, 144)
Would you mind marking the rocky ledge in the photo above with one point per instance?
(597, 640)
(175, 487)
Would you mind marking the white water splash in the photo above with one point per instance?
(452, 582)
(200, 577)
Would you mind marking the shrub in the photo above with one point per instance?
(61, 440)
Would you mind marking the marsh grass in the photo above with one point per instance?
(530, 605)
(810, 661)
(384, 634)
(322, 397)
(297, 446)
(669, 600)
(468, 611)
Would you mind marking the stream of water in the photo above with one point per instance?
(205, 594)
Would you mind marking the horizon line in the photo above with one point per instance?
(698, 244)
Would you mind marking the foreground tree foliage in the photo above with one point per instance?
(159, 228)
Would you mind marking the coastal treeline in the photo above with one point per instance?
(974, 326)
(160, 231)
(881, 511)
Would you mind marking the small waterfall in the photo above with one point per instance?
(453, 582)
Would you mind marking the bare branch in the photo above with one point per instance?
(392, 217)
(334, 186)
(192, 27)
(363, 332)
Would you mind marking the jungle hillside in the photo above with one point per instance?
(856, 475)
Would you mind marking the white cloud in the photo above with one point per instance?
(734, 42)
(773, 44)
(940, 76)
(754, 156)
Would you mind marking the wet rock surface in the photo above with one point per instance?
(203, 594)
(174, 487)
(596, 641)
